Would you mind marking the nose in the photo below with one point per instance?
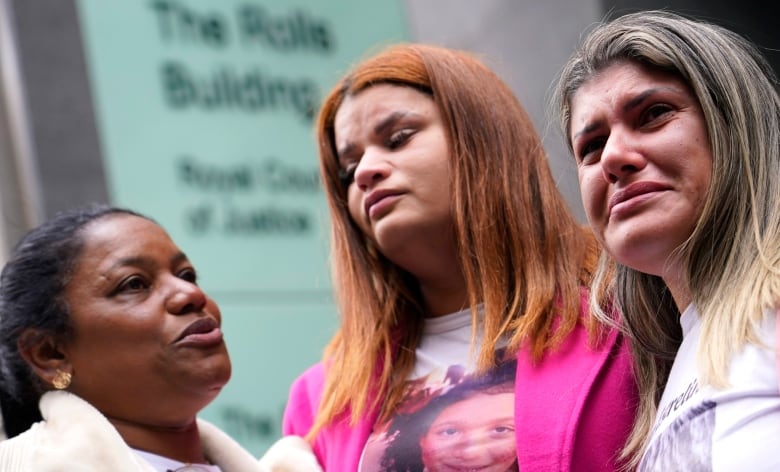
(185, 297)
(372, 168)
(620, 158)
(468, 450)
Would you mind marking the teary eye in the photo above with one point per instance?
(654, 112)
(399, 138)
(347, 175)
(588, 151)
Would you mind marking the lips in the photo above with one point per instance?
(635, 190)
(201, 331)
(376, 197)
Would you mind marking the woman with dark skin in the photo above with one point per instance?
(109, 349)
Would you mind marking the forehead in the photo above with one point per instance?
(616, 87)
(478, 401)
(377, 101)
(117, 235)
(625, 77)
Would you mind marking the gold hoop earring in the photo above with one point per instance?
(61, 380)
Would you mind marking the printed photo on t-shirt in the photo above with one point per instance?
(686, 444)
(450, 421)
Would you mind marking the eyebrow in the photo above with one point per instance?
(379, 128)
(145, 261)
(630, 105)
(391, 119)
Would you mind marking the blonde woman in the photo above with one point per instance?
(675, 127)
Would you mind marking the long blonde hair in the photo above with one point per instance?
(523, 255)
(732, 258)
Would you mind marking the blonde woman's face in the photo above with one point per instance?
(393, 152)
(644, 162)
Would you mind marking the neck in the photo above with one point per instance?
(681, 292)
(179, 443)
(442, 297)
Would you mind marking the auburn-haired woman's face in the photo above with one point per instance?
(394, 157)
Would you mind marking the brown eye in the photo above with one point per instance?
(655, 112)
(347, 175)
(399, 138)
(133, 283)
(589, 149)
(189, 275)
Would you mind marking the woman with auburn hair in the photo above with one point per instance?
(450, 241)
(675, 127)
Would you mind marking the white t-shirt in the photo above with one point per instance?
(708, 429)
(445, 341)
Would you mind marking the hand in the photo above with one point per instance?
(290, 454)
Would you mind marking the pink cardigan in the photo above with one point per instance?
(573, 410)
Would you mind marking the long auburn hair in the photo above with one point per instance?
(732, 257)
(523, 255)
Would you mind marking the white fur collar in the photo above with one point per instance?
(75, 429)
(76, 437)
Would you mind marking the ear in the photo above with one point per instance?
(42, 352)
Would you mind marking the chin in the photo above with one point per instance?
(223, 374)
(214, 375)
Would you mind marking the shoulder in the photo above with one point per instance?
(16, 452)
(339, 444)
(290, 453)
(307, 388)
(577, 403)
(303, 400)
(73, 430)
(311, 381)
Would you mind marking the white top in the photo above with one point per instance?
(445, 341)
(708, 429)
(164, 464)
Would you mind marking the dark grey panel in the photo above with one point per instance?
(755, 19)
(60, 104)
(13, 223)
